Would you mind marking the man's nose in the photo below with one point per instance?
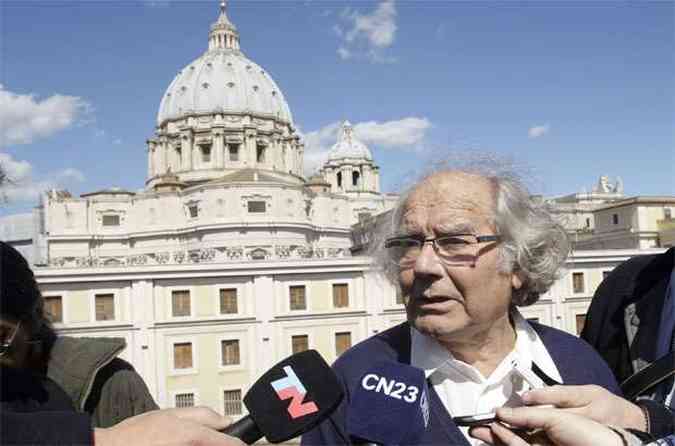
(428, 263)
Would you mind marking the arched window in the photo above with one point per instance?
(260, 153)
(355, 178)
(339, 180)
(178, 158)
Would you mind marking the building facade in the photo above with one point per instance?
(230, 260)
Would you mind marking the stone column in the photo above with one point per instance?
(349, 169)
(367, 179)
(278, 163)
(252, 145)
(161, 156)
(300, 168)
(151, 161)
(186, 150)
(218, 148)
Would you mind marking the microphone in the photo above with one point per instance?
(389, 406)
(288, 400)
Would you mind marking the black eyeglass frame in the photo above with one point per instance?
(485, 238)
(6, 347)
(434, 240)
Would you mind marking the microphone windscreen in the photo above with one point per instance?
(293, 396)
(389, 405)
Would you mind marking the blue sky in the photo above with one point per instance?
(572, 89)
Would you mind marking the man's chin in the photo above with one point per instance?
(433, 325)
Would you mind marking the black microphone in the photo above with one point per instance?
(389, 406)
(288, 400)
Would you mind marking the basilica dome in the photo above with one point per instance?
(347, 146)
(223, 80)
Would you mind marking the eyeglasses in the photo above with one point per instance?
(453, 250)
(6, 346)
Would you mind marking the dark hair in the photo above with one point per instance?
(20, 297)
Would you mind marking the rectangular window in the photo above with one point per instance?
(105, 307)
(180, 303)
(615, 219)
(228, 301)
(111, 220)
(182, 355)
(194, 211)
(667, 213)
(229, 350)
(298, 301)
(581, 320)
(578, 282)
(299, 343)
(588, 222)
(340, 295)
(185, 400)
(260, 154)
(257, 207)
(342, 342)
(233, 150)
(232, 402)
(54, 308)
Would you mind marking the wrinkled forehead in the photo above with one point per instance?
(454, 200)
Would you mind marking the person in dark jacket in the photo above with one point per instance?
(466, 248)
(630, 323)
(87, 369)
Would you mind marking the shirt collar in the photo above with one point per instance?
(429, 355)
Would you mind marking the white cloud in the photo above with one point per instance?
(406, 132)
(403, 134)
(23, 187)
(25, 118)
(344, 53)
(156, 3)
(538, 131)
(15, 170)
(368, 35)
(70, 175)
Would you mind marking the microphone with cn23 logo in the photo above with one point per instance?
(288, 400)
(389, 406)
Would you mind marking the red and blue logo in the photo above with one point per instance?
(291, 387)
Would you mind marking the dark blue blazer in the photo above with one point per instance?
(576, 361)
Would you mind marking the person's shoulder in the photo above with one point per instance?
(85, 347)
(390, 345)
(635, 265)
(569, 351)
(562, 341)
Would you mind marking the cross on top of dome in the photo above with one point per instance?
(223, 33)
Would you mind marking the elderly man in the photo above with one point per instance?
(467, 248)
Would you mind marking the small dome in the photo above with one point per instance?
(348, 146)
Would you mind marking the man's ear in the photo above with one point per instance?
(516, 280)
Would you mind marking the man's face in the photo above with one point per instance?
(453, 303)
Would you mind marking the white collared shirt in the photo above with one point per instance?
(465, 391)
